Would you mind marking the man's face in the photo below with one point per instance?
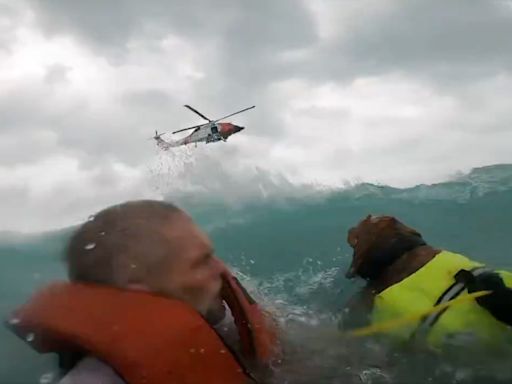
(192, 273)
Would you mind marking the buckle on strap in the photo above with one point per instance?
(452, 292)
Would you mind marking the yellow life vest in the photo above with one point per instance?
(423, 289)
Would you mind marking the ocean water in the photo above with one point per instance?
(292, 254)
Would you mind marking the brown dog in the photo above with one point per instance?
(386, 251)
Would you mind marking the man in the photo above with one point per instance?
(148, 302)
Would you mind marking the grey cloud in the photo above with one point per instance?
(442, 41)
(240, 42)
(22, 109)
(68, 204)
(105, 24)
(151, 109)
(10, 14)
(105, 136)
(254, 42)
(95, 136)
(26, 147)
(448, 41)
(148, 98)
(57, 74)
(112, 24)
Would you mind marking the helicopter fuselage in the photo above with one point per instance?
(210, 133)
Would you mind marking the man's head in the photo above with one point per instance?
(148, 245)
(377, 242)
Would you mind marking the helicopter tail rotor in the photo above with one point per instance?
(157, 135)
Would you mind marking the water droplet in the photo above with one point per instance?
(102, 233)
(133, 265)
(91, 218)
(192, 350)
(251, 261)
(201, 350)
(47, 378)
(90, 246)
(222, 351)
(30, 337)
(14, 321)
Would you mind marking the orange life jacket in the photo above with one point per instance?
(145, 338)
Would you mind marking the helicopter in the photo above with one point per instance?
(210, 132)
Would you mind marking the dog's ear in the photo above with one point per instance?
(357, 238)
(401, 227)
(395, 225)
(354, 233)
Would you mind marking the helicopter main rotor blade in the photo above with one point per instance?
(232, 114)
(197, 112)
(186, 129)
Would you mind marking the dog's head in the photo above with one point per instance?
(377, 242)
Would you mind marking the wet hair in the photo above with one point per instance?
(121, 244)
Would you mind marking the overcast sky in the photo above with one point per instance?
(394, 92)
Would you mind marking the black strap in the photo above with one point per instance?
(452, 292)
